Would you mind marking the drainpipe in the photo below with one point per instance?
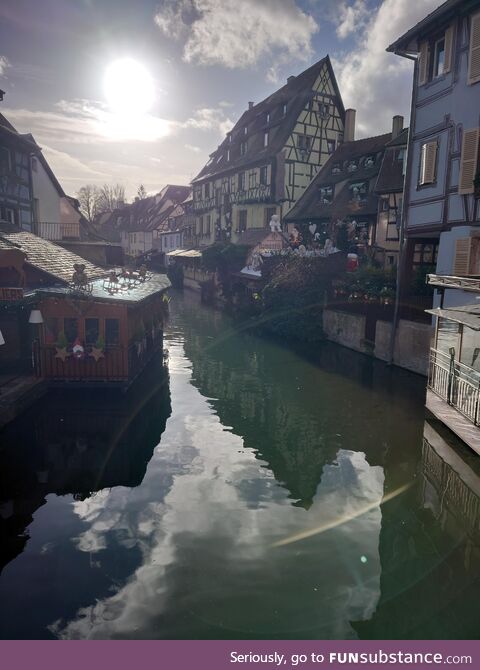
(406, 192)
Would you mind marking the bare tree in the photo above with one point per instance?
(88, 197)
(141, 192)
(111, 196)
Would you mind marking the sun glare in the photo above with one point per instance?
(128, 87)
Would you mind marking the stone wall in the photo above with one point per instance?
(412, 340)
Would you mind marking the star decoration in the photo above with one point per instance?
(97, 354)
(62, 354)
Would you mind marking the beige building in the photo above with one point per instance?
(269, 158)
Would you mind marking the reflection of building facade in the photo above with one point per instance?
(269, 157)
(77, 445)
(430, 549)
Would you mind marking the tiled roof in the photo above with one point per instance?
(47, 256)
(309, 205)
(294, 94)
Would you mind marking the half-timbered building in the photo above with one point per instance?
(269, 158)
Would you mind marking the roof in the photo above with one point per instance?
(48, 169)
(309, 206)
(253, 236)
(155, 283)
(47, 256)
(296, 92)
(9, 132)
(146, 214)
(468, 315)
(185, 253)
(443, 12)
(391, 177)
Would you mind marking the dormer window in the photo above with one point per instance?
(359, 191)
(369, 161)
(326, 195)
(284, 109)
(352, 166)
(265, 139)
(245, 130)
(337, 168)
(229, 139)
(267, 117)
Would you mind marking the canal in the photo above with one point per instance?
(250, 491)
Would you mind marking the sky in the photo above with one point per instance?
(142, 92)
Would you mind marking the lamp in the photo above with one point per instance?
(2, 339)
(35, 316)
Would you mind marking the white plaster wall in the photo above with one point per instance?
(47, 195)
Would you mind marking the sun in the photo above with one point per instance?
(128, 87)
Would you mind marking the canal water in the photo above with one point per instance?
(250, 491)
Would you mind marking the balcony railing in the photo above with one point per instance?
(57, 231)
(456, 383)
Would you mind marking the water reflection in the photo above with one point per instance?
(186, 539)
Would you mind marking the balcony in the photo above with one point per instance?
(57, 231)
(456, 383)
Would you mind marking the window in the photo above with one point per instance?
(228, 155)
(326, 195)
(112, 332)
(34, 164)
(5, 160)
(92, 331)
(206, 189)
(241, 181)
(324, 109)
(267, 117)
(269, 212)
(352, 166)
(200, 226)
(425, 253)
(51, 330)
(466, 257)
(439, 57)
(304, 142)
(208, 224)
(385, 204)
(242, 220)
(337, 168)
(265, 140)
(9, 214)
(243, 148)
(263, 174)
(469, 161)
(70, 327)
(428, 163)
(474, 50)
(245, 130)
(252, 179)
(284, 109)
(369, 161)
(331, 146)
(359, 191)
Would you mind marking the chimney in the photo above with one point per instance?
(250, 105)
(397, 126)
(349, 133)
(290, 78)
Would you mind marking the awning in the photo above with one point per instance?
(185, 253)
(467, 315)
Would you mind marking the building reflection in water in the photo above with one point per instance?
(77, 442)
(430, 548)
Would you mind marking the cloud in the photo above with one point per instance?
(376, 83)
(238, 35)
(4, 64)
(352, 18)
(193, 148)
(87, 122)
(210, 118)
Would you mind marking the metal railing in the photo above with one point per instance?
(53, 231)
(456, 383)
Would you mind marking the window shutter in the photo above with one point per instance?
(469, 160)
(428, 163)
(448, 50)
(474, 54)
(461, 263)
(423, 64)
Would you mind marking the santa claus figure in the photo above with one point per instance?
(77, 349)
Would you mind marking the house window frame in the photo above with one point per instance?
(435, 62)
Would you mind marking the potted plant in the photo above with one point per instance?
(61, 347)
